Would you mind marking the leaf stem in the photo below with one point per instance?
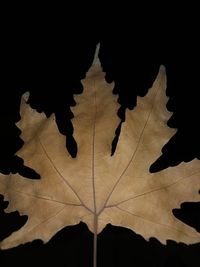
(95, 240)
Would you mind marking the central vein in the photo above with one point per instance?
(93, 153)
(95, 222)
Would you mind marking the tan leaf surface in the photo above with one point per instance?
(95, 187)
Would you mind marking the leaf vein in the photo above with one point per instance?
(154, 222)
(135, 151)
(154, 190)
(62, 177)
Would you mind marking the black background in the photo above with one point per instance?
(47, 50)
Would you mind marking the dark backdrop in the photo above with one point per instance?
(47, 51)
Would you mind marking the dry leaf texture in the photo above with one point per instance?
(95, 187)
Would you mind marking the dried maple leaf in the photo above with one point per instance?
(95, 187)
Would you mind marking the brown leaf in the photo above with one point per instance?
(95, 187)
